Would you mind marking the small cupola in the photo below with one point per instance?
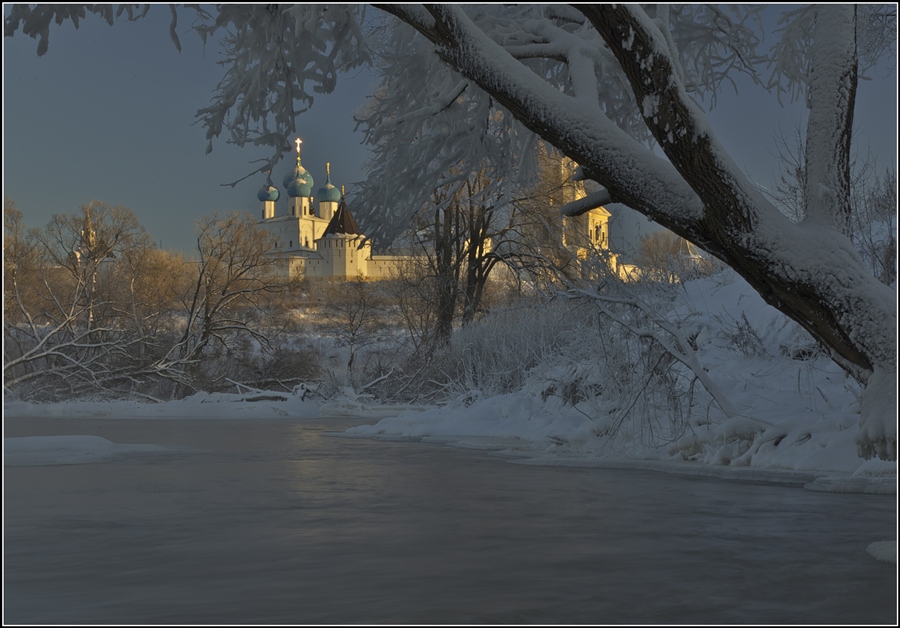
(268, 192)
(328, 193)
(299, 181)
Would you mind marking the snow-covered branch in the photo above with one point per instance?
(680, 349)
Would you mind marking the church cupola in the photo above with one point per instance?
(298, 171)
(299, 184)
(328, 196)
(268, 195)
(298, 187)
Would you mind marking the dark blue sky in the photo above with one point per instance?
(107, 114)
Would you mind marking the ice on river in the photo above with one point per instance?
(73, 449)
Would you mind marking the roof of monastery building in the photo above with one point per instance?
(342, 223)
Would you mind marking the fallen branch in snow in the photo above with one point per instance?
(239, 385)
(375, 381)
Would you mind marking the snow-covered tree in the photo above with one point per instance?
(67, 301)
(873, 203)
(234, 273)
(663, 256)
(611, 86)
(352, 314)
(91, 306)
(455, 242)
(875, 226)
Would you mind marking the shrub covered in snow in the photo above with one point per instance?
(708, 373)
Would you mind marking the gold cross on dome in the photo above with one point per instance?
(298, 141)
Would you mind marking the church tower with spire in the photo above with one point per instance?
(297, 230)
(316, 243)
(299, 183)
(328, 196)
(342, 245)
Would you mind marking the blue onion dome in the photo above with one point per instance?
(301, 175)
(299, 181)
(299, 172)
(300, 187)
(328, 193)
(267, 193)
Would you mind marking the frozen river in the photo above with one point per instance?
(270, 522)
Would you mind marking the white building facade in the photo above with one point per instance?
(318, 238)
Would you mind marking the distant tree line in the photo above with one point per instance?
(92, 307)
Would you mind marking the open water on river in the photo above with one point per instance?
(270, 521)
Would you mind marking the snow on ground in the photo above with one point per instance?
(884, 550)
(199, 406)
(797, 418)
(55, 450)
(252, 405)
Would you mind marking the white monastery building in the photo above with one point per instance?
(319, 239)
(318, 236)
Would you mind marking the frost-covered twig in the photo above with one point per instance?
(681, 348)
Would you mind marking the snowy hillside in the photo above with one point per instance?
(795, 409)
